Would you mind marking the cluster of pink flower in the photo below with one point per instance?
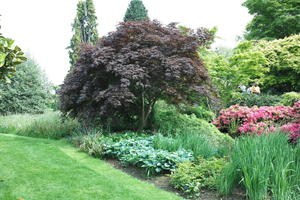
(293, 129)
(257, 120)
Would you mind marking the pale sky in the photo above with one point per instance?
(42, 28)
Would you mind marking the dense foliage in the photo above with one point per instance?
(169, 121)
(136, 151)
(250, 100)
(28, 91)
(240, 67)
(278, 61)
(10, 57)
(274, 65)
(84, 28)
(267, 167)
(136, 11)
(190, 177)
(273, 19)
(289, 98)
(119, 80)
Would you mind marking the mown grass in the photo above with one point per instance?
(42, 169)
(47, 125)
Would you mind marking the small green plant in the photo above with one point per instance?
(92, 144)
(191, 177)
(265, 165)
(140, 153)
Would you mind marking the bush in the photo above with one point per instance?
(199, 111)
(92, 144)
(140, 153)
(191, 177)
(241, 119)
(28, 91)
(265, 165)
(289, 98)
(251, 100)
(47, 125)
(200, 145)
(168, 121)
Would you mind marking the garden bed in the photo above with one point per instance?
(163, 182)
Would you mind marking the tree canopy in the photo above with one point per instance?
(273, 19)
(136, 11)
(119, 80)
(27, 92)
(275, 65)
(84, 28)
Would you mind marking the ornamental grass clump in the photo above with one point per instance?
(199, 144)
(262, 168)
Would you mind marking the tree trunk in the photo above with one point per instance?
(145, 115)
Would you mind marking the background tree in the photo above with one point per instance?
(27, 92)
(84, 28)
(118, 81)
(136, 11)
(273, 19)
(274, 64)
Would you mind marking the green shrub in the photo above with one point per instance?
(265, 165)
(47, 125)
(200, 145)
(168, 121)
(251, 100)
(191, 177)
(28, 91)
(140, 153)
(92, 144)
(289, 98)
(199, 111)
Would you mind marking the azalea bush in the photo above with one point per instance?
(255, 120)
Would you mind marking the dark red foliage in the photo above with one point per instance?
(119, 80)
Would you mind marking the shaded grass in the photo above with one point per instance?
(47, 125)
(41, 169)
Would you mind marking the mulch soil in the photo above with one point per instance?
(163, 182)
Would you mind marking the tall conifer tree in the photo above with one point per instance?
(84, 28)
(136, 11)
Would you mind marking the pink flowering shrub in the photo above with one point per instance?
(237, 120)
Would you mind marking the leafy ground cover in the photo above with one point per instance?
(42, 169)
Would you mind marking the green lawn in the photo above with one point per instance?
(39, 169)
